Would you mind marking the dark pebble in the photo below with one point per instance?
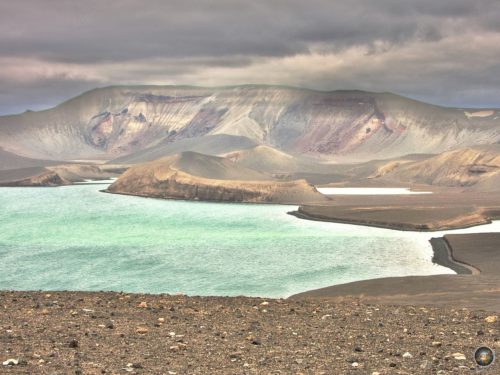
(73, 343)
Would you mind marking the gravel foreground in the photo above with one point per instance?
(116, 333)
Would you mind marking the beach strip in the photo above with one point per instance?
(475, 256)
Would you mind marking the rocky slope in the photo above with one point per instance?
(117, 121)
(478, 166)
(196, 176)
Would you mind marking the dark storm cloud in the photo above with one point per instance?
(444, 51)
(91, 31)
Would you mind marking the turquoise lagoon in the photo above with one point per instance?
(77, 238)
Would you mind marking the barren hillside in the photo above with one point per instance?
(201, 177)
(114, 122)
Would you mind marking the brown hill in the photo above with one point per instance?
(479, 166)
(196, 176)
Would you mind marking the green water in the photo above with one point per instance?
(77, 238)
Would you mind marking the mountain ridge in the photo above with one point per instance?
(352, 125)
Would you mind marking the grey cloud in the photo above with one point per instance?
(89, 31)
(183, 41)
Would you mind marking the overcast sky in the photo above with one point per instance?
(440, 51)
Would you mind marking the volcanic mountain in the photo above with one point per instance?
(142, 123)
(252, 133)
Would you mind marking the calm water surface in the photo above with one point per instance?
(77, 238)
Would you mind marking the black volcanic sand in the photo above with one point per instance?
(445, 209)
(113, 333)
(478, 257)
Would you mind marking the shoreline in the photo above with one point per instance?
(469, 269)
(116, 332)
(404, 227)
(440, 211)
(475, 257)
(443, 255)
(106, 191)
